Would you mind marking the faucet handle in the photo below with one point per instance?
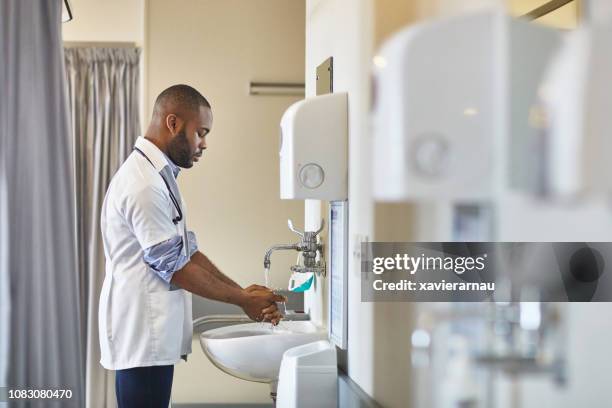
(292, 228)
(321, 227)
(301, 233)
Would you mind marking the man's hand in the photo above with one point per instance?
(270, 314)
(258, 288)
(260, 304)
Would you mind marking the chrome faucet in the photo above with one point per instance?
(310, 246)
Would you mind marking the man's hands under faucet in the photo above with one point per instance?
(260, 304)
(200, 276)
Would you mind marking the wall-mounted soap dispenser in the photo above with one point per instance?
(313, 149)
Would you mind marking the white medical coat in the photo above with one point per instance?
(142, 322)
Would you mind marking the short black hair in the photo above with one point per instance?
(183, 97)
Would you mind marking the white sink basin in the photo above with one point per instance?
(253, 351)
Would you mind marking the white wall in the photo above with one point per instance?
(106, 21)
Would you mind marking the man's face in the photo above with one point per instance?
(189, 143)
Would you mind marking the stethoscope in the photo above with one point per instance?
(175, 220)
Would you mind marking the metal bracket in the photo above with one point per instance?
(325, 77)
(546, 8)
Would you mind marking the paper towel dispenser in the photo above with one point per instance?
(313, 149)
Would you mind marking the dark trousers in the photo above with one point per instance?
(144, 386)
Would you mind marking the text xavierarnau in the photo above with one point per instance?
(406, 285)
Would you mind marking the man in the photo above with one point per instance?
(152, 260)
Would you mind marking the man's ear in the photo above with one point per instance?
(172, 123)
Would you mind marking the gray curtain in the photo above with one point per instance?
(38, 230)
(4, 217)
(103, 90)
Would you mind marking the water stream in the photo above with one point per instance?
(267, 277)
(284, 306)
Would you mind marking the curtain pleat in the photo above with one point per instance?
(103, 90)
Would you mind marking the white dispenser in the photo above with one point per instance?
(454, 107)
(308, 377)
(313, 150)
(577, 96)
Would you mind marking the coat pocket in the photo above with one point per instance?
(167, 310)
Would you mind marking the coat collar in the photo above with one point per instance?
(156, 156)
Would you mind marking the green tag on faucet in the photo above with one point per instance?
(300, 282)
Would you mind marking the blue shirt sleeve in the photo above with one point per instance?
(167, 257)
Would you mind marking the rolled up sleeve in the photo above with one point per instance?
(167, 257)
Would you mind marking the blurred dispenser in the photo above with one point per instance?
(458, 126)
(455, 107)
(577, 95)
(313, 149)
